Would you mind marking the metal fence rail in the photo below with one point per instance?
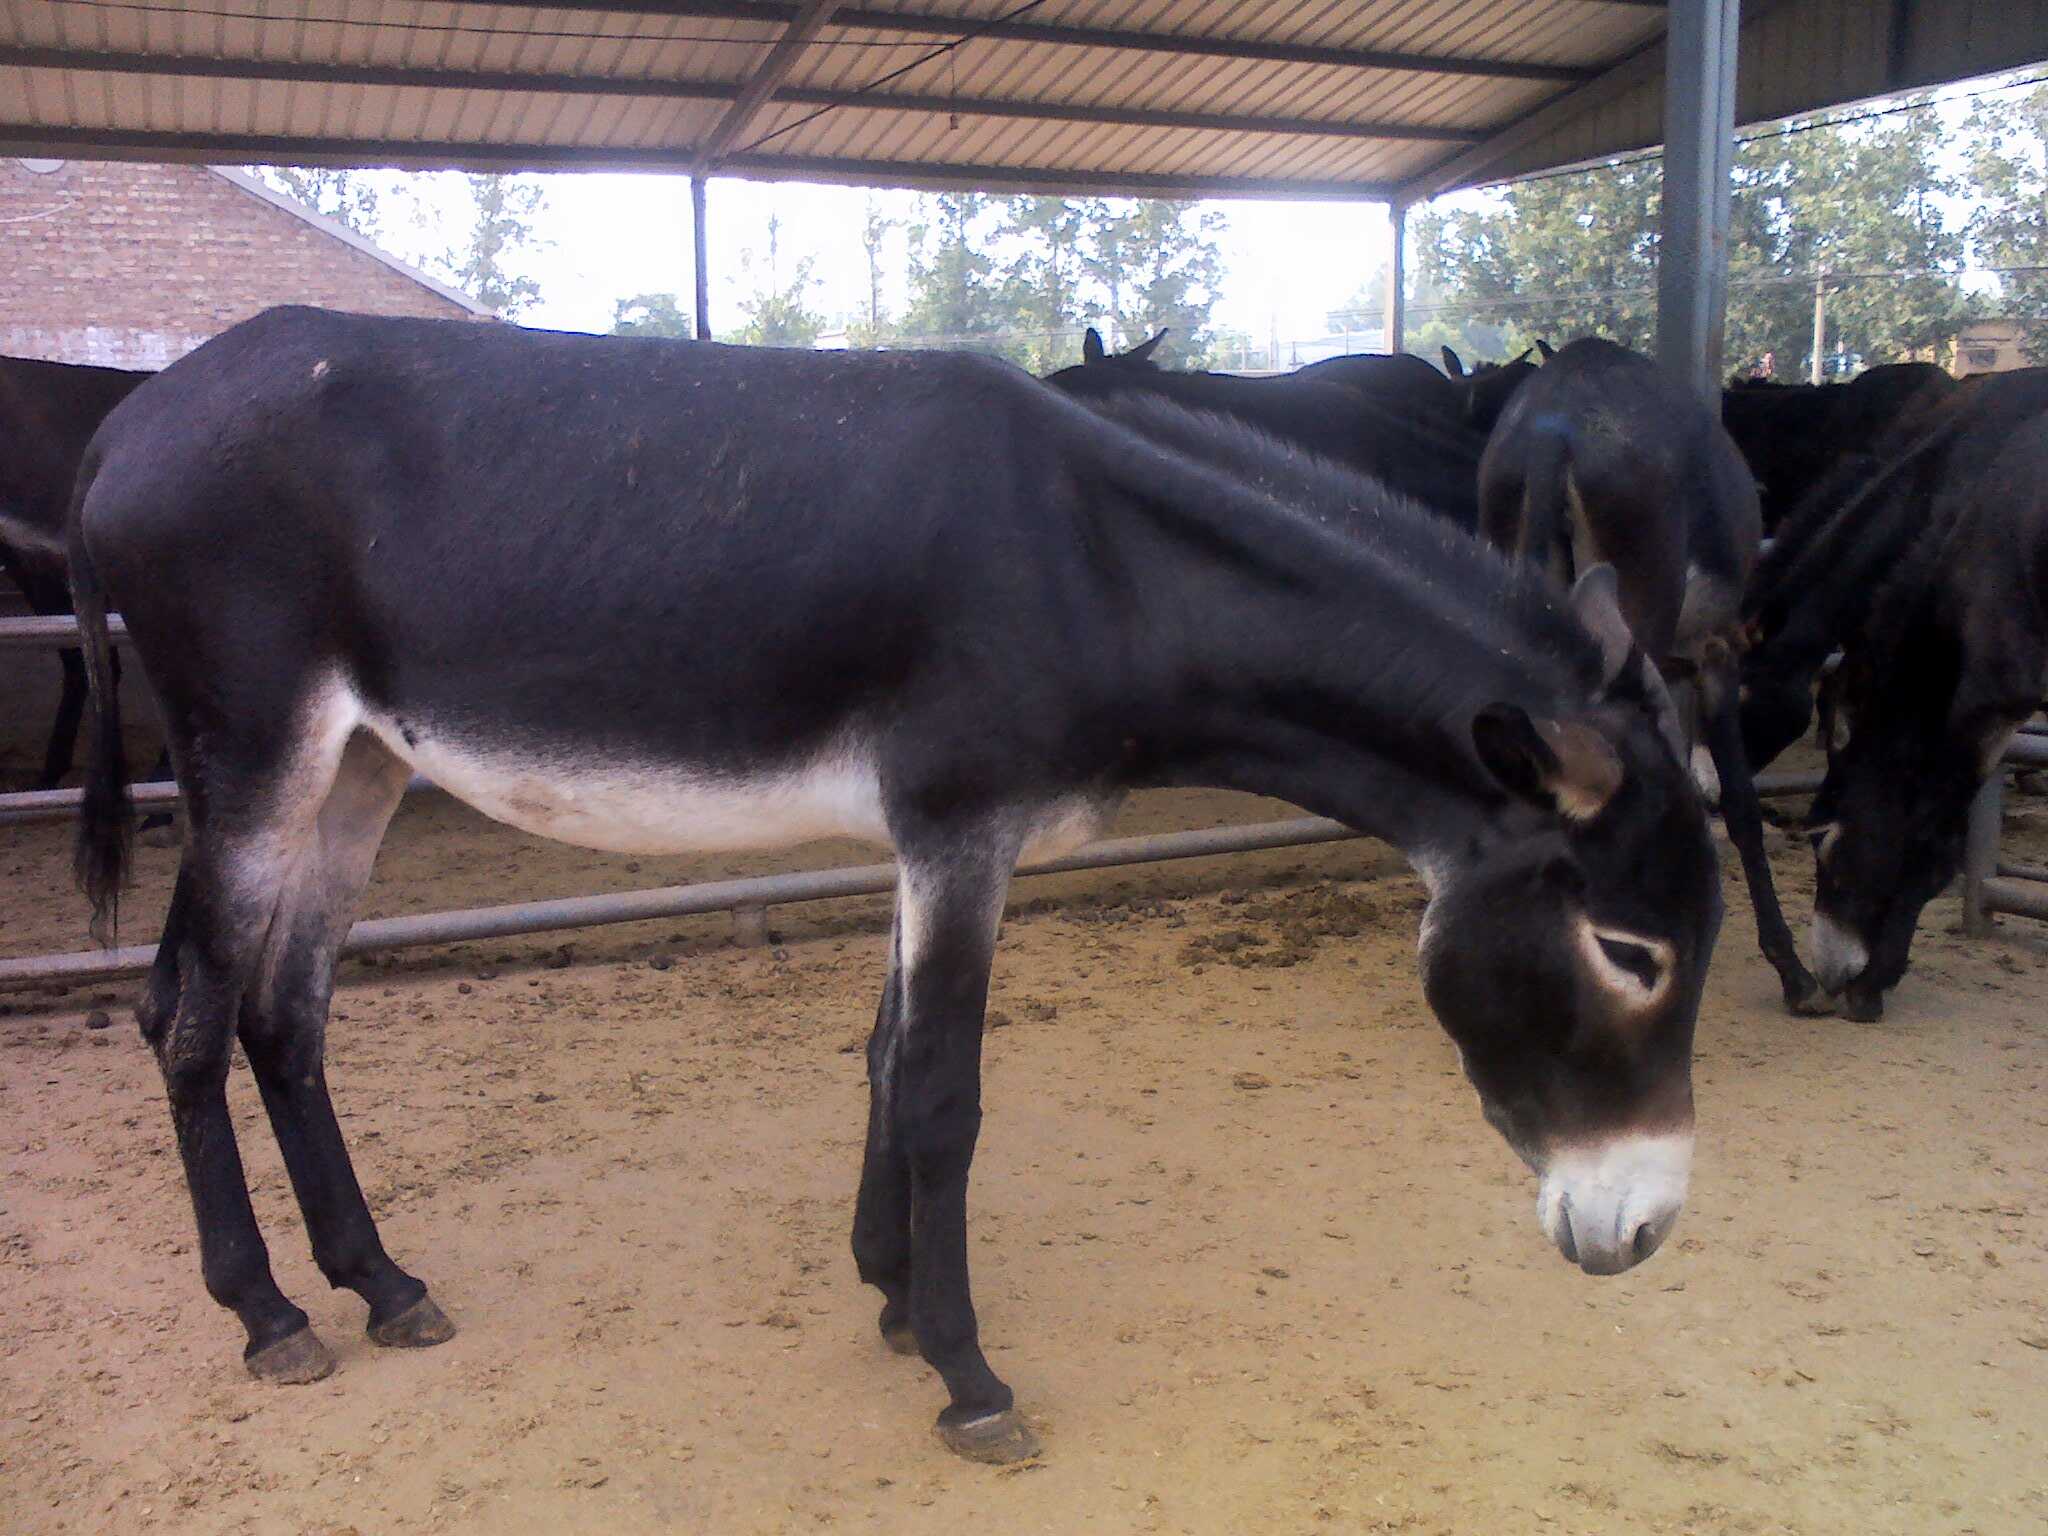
(752, 894)
(1990, 886)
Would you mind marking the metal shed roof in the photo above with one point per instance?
(1298, 98)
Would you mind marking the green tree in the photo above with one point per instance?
(1158, 264)
(957, 296)
(347, 197)
(1044, 275)
(1857, 207)
(1561, 257)
(777, 312)
(651, 314)
(1577, 255)
(874, 328)
(501, 224)
(2009, 229)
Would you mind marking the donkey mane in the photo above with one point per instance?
(1299, 518)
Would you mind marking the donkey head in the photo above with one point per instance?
(1889, 822)
(1095, 355)
(1566, 956)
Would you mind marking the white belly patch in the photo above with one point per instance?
(649, 808)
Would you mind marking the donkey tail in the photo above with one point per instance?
(1547, 494)
(106, 821)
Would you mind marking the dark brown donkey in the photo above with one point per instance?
(914, 598)
(1601, 457)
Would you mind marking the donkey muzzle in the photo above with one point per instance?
(1609, 1207)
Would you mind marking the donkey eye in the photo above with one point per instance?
(1636, 959)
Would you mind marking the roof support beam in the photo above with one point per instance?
(754, 94)
(103, 143)
(928, 25)
(214, 68)
(1617, 78)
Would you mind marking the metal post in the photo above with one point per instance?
(1699, 150)
(1980, 852)
(703, 269)
(1397, 279)
(1820, 325)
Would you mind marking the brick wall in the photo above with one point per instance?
(132, 266)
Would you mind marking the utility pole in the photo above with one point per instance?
(1820, 323)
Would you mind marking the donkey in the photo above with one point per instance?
(48, 413)
(1812, 591)
(1954, 660)
(1415, 450)
(1601, 457)
(1485, 389)
(647, 594)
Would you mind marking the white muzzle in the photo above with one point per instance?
(1839, 957)
(1609, 1207)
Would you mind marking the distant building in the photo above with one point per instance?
(132, 266)
(1991, 346)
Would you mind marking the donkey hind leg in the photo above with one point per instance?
(926, 1107)
(63, 742)
(1743, 813)
(881, 1216)
(283, 1030)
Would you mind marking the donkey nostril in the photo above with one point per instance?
(1645, 1241)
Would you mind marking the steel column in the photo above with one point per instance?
(703, 273)
(1397, 278)
(1699, 151)
(1980, 852)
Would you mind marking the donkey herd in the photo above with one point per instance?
(1526, 623)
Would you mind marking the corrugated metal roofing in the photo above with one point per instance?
(1372, 98)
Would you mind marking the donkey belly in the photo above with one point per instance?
(580, 796)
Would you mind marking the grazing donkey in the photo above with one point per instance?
(1953, 660)
(48, 413)
(1602, 457)
(651, 595)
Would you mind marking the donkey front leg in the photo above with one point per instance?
(928, 1093)
(1743, 813)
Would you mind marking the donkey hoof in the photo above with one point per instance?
(418, 1326)
(1810, 1001)
(895, 1325)
(292, 1361)
(1861, 1005)
(999, 1439)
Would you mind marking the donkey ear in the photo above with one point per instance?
(1091, 346)
(1560, 765)
(1454, 365)
(1144, 349)
(1543, 350)
(1521, 356)
(1596, 600)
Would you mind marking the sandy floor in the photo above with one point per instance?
(1244, 1246)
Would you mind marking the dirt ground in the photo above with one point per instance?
(1243, 1244)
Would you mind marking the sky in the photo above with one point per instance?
(609, 237)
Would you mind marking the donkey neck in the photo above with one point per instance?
(1342, 671)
